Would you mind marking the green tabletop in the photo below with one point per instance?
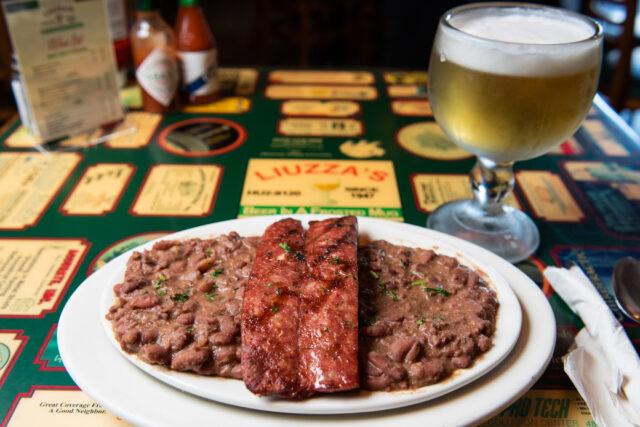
(284, 141)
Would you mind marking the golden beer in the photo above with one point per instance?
(512, 102)
(508, 82)
(509, 118)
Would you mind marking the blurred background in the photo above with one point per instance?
(391, 34)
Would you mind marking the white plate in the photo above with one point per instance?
(143, 400)
(223, 390)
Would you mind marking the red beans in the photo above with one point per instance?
(144, 301)
(424, 321)
(154, 353)
(400, 347)
(185, 319)
(190, 358)
(179, 304)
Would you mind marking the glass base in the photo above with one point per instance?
(512, 234)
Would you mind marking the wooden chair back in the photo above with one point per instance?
(618, 19)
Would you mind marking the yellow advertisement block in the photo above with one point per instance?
(320, 127)
(321, 77)
(411, 107)
(341, 187)
(601, 136)
(178, 190)
(611, 172)
(545, 408)
(134, 131)
(99, 189)
(432, 190)
(549, 197)
(407, 91)
(60, 407)
(34, 273)
(284, 91)
(406, 77)
(28, 184)
(237, 81)
(228, 105)
(320, 108)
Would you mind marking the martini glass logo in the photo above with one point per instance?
(325, 188)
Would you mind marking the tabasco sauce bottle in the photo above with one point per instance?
(198, 53)
(154, 58)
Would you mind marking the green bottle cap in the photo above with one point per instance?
(148, 5)
(189, 2)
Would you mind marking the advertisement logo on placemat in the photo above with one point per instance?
(426, 139)
(205, 136)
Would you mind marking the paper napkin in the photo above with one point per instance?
(602, 362)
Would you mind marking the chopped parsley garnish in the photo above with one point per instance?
(374, 274)
(191, 329)
(325, 329)
(183, 297)
(334, 260)
(350, 323)
(144, 292)
(278, 291)
(274, 309)
(419, 282)
(404, 265)
(435, 316)
(382, 285)
(162, 292)
(286, 247)
(210, 296)
(269, 284)
(299, 256)
(391, 294)
(208, 251)
(372, 321)
(216, 273)
(421, 321)
(434, 290)
(159, 282)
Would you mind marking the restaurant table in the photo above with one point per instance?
(284, 141)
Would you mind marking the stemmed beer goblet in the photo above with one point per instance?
(508, 82)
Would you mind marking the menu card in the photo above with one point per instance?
(67, 65)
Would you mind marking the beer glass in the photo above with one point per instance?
(507, 82)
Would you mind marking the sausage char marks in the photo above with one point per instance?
(270, 313)
(329, 306)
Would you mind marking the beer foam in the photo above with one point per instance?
(531, 42)
(518, 28)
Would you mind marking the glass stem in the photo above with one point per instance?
(491, 182)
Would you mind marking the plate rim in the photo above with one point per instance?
(521, 368)
(508, 326)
